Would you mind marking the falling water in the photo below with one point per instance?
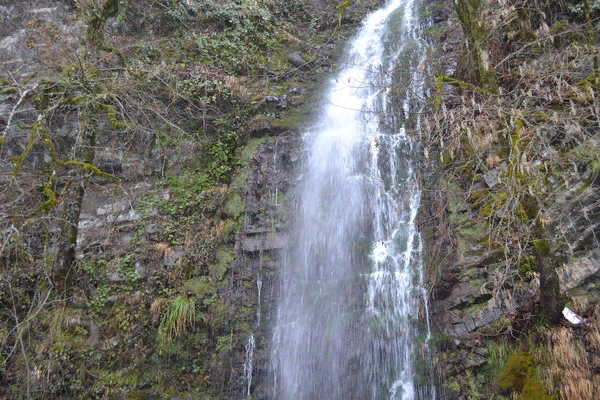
(352, 279)
(250, 346)
(258, 289)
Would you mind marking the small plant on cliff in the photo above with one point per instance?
(177, 320)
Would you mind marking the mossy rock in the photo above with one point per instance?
(234, 206)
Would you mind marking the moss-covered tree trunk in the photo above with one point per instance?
(73, 200)
(550, 299)
(547, 262)
(71, 213)
(470, 16)
(95, 29)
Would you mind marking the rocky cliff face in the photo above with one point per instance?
(154, 156)
(172, 146)
(508, 216)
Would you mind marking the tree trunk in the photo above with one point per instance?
(550, 299)
(72, 211)
(469, 14)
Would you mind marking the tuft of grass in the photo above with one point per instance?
(155, 308)
(179, 318)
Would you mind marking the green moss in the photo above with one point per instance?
(486, 211)
(111, 114)
(527, 265)
(50, 201)
(87, 167)
(247, 153)
(515, 372)
(440, 80)
(533, 389)
(234, 206)
(293, 119)
(452, 384)
(200, 286)
(279, 62)
(473, 308)
(224, 257)
(519, 376)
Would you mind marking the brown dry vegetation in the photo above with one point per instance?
(537, 133)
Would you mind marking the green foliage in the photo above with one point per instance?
(206, 91)
(224, 344)
(247, 29)
(91, 266)
(473, 387)
(96, 303)
(527, 265)
(224, 257)
(578, 9)
(177, 320)
(234, 205)
(128, 270)
(214, 166)
(200, 286)
(219, 157)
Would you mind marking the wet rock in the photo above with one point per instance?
(170, 259)
(112, 167)
(492, 177)
(154, 232)
(116, 277)
(280, 102)
(296, 60)
(578, 270)
(130, 216)
(140, 270)
(110, 300)
(115, 207)
(111, 343)
(264, 242)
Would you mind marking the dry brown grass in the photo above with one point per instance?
(234, 84)
(155, 308)
(292, 37)
(482, 142)
(492, 160)
(594, 333)
(580, 304)
(237, 88)
(569, 372)
(164, 249)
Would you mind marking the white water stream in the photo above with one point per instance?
(352, 279)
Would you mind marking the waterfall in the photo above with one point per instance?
(248, 367)
(352, 280)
